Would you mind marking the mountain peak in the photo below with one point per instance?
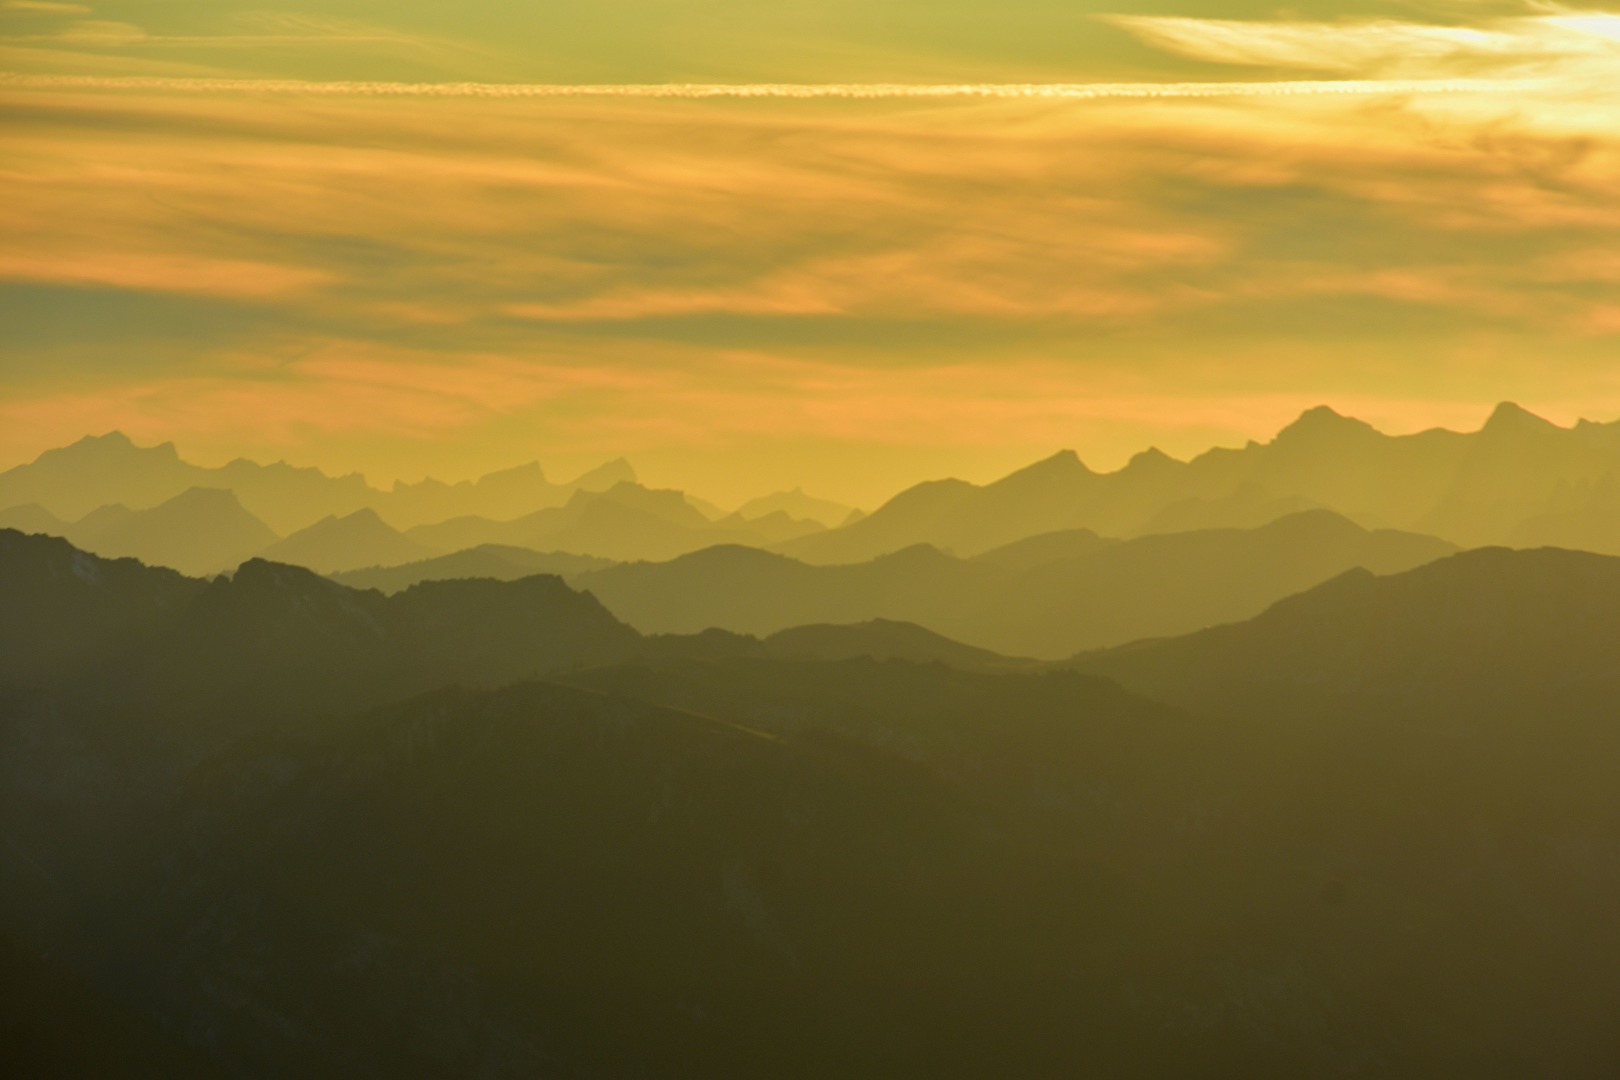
(1149, 459)
(1511, 416)
(1064, 459)
(116, 444)
(606, 475)
(364, 516)
(1323, 421)
(1063, 464)
(202, 496)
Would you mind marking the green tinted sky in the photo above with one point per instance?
(850, 294)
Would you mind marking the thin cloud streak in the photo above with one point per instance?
(852, 91)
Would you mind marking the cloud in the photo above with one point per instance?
(1560, 42)
(47, 7)
(785, 91)
(159, 271)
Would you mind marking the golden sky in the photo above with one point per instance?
(414, 238)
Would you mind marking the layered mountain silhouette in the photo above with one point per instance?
(98, 471)
(625, 522)
(1481, 635)
(1047, 596)
(356, 540)
(301, 829)
(1518, 481)
(1293, 786)
(952, 514)
(1518, 476)
(796, 504)
(199, 531)
(32, 518)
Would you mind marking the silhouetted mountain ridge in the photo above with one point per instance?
(1481, 634)
(1470, 489)
(102, 470)
(1046, 596)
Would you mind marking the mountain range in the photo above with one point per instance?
(485, 827)
(1047, 596)
(207, 531)
(1519, 481)
(625, 522)
(98, 471)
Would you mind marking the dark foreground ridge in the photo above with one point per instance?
(271, 826)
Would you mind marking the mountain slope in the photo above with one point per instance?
(358, 540)
(1009, 600)
(880, 639)
(1480, 635)
(64, 606)
(960, 517)
(624, 523)
(32, 518)
(797, 504)
(200, 531)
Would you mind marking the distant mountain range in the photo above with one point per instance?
(301, 829)
(199, 531)
(207, 531)
(1047, 596)
(108, 470)
(626, 522)
(1519, 481)
(796, 504)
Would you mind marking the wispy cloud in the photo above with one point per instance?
(788, 91)
(1556, 41)
(45, 7)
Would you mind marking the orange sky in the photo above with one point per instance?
(851, 292)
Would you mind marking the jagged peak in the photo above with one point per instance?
(115, 442)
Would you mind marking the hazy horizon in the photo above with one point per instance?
(981, 469)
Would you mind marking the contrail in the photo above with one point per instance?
(854, 91)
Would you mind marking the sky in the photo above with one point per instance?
(847, 245)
